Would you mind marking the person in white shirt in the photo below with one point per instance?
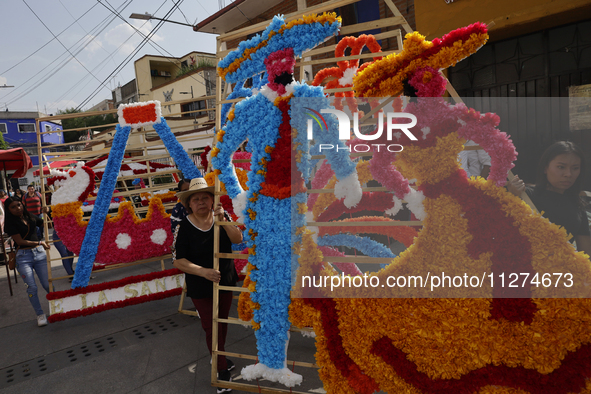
(475, 162)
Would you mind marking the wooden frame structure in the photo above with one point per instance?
(144, 151)
(306, 60)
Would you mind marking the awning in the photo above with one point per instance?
(15, 159)
(55, 164)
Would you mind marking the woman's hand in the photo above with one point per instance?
(45, 209)
(218, 212)
(211, 274)
(516, 186)
(44, 244)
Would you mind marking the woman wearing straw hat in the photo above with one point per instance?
(193, 254)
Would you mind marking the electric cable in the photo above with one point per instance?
(50, 41)
(153, 44)
(44, 78)
(58, 40)
(129, 57)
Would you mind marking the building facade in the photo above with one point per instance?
(19, 130)
(537, 49)
(125, 94)
(104, 105)
(173, 79)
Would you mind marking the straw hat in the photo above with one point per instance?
(197, 185)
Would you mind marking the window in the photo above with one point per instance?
(194, 106)
(26, 128)
(47, 127)
(31, 151)
(3, 128)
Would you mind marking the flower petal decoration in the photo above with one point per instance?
(385, 77)
(137, 114)
(141, 114)
(300, 34)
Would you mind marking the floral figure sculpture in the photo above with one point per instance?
(343, 74)
(130, 116)
(124, 238)
(276, 179)
(456, 345)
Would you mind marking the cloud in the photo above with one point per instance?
(93, 45)
(120, 33)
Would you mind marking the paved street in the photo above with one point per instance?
(146, 348)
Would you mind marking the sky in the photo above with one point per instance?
(50, 74)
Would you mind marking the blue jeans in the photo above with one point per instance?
(64, 252)
(28, 260)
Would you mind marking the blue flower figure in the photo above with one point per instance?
(274, 121)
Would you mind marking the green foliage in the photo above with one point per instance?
(3, 144)
(201, 63)
(91, 122)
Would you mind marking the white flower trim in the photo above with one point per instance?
(71, 188)
(415, 203)
(396, 208)
(269, 93)
(123, 240)
(158, 236)
(347, 78)
(349, 189)
(130, 172)
(308, 334)
(289, 89)
(122, 121)
(425, 130)
(90, 207)
(284, 375)
(239, 204)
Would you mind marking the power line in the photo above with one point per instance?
(50, 41)
(129, 57)
(58, 40)
(153, 44)
(44, 78)
(103, 63)
(185, 16)
(82, 27)
(207, 12)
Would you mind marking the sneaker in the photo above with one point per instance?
(226, 376)
(41, 320)
(230, 364)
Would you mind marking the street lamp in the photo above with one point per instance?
(147, 16)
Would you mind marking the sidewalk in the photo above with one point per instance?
(146, 348)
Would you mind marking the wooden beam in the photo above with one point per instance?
(396, 12)
(377, 24)
(338, 59)
(318, 9)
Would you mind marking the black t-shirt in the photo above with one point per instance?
(560, 210)
(28, 233)
(196, 245)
